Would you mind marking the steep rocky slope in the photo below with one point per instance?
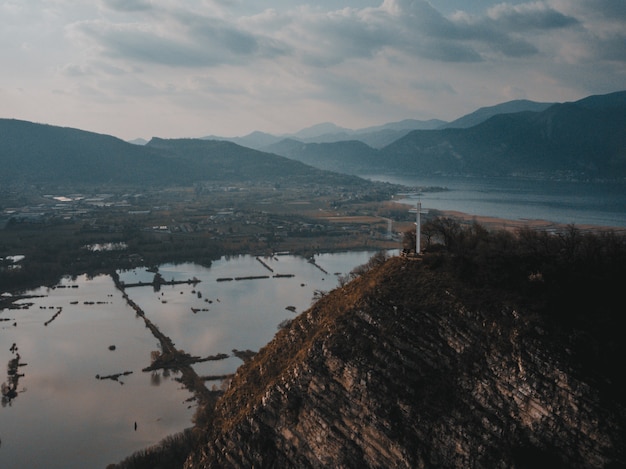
(407, 366)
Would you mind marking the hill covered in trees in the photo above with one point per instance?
(576, 139)
(48, 155)
(494, 349)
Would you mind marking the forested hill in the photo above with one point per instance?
(498, 349)
(503, 352)
(39, 153)
(223, 160)
(585, 138)
(44, 154)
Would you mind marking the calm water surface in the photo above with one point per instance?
(63, 417)
(578, 203)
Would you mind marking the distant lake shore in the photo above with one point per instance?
(537, 224)
(583, 204)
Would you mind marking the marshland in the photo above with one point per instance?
(94, 384)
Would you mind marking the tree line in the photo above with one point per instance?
(571, 279)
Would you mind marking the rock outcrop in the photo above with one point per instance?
(406, 367)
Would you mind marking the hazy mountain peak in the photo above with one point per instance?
(484, 113)
(320, 129)
(255, 140)
(406, 124)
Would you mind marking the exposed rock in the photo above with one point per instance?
(404, 367)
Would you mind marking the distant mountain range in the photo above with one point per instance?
(48, 155)
(583, 139)
(327, 132)
(380, 135)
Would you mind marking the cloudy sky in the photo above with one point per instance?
(190, 68)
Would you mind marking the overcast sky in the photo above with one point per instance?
(191, 68)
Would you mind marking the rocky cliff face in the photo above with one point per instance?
(404, 367)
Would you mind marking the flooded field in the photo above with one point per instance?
(75, 394)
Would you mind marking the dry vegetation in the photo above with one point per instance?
(566, 284)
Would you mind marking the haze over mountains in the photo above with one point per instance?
(327, 132)
(585, 139)
(380, 135)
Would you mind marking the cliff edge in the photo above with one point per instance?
(485, 358)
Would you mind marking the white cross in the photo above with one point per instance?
(418, 226)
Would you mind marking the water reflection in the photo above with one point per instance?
(106, 247)
(9, 389)
(86, 348)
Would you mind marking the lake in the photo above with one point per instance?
(64, 417)
(578, 203)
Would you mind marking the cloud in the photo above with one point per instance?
(177, 42)
(601, 35)
(512, 31)
(192, 35)
(612, 47)
(433, 86)
(127, 5)
(528, 17)
(184, 37)
(235, 41)
(416, 28)
(264, 61)
(134, 43)
(615, 10)
(74, 70)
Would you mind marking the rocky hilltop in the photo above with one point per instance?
(457, 360)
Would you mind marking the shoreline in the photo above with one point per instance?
(536, 224)
(296, 248)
